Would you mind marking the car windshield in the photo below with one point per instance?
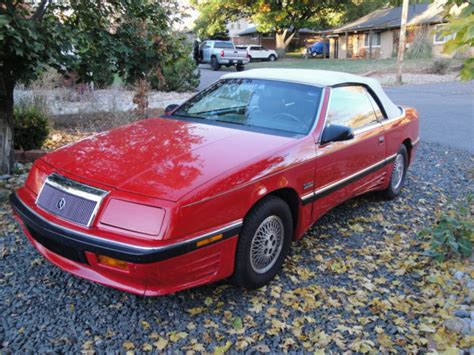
(261, 104)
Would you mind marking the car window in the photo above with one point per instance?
(350, 106)
(255, 48)
(272, 105)
(376, 107)
(221, 44)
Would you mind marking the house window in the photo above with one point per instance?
(440, 38)
(376, 39)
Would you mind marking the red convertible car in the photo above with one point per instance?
(219, 186)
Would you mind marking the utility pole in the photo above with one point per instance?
(402, 40)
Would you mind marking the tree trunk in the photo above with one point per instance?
(6, 124)
(282, 42)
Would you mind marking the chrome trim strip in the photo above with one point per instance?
(367, 128)
(325, 116)
(227, 227)
(75, 188)
(307, 196)
(342, 181)
(321, 101)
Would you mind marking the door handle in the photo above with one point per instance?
(381, 139)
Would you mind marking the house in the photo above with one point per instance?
(235, 27)
(376, 35)
(303, 38)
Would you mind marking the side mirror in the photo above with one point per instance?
(170, 108)
(336, 133)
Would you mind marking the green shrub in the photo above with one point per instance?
(421, 47)
(453, 233)
(440, 66)
(31, 127)
(182, 75)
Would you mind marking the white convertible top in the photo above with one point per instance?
(319, 78)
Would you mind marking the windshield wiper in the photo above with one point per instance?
(231, 122)
(222, 110)
(188, 116)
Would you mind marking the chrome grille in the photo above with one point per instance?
(70, 200)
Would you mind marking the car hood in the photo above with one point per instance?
(162, 158)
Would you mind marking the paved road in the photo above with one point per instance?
(208, 76)
(446, 109)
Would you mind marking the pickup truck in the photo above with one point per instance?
(218, 53)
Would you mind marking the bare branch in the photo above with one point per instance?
(39, 13)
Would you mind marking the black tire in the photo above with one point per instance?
(276, 210)
(239, 67)
(215, 64)
(272, 58)
(250, 58)
(395, 186)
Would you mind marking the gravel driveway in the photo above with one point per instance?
(357, 282)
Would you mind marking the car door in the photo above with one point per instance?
(254, 52)
(351, 167)
(206, 51)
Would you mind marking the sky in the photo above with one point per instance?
(187, 21)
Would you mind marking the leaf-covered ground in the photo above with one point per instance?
(357, 282)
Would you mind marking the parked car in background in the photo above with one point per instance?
(317, 49)
(258, 52)
(218, 53)
(219, 186)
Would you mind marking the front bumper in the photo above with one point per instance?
(152, 270)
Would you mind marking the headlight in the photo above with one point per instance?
(38, 174)
(133, 217)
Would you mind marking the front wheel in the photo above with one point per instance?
(264, 242)
(272, 58)
(399, 170)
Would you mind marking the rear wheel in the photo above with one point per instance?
(215, 64)
(264, 242)
(239, 67)
(397, 179)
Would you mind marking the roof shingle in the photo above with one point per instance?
(418, 14)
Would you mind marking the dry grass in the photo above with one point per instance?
(67, 129)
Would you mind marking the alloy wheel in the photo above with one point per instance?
(267, 244)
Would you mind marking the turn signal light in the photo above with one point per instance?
(207, 241)
(108, 261)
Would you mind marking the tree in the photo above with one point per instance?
(461, 24)
(213, 16)
(284, 17)
(93, 39)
